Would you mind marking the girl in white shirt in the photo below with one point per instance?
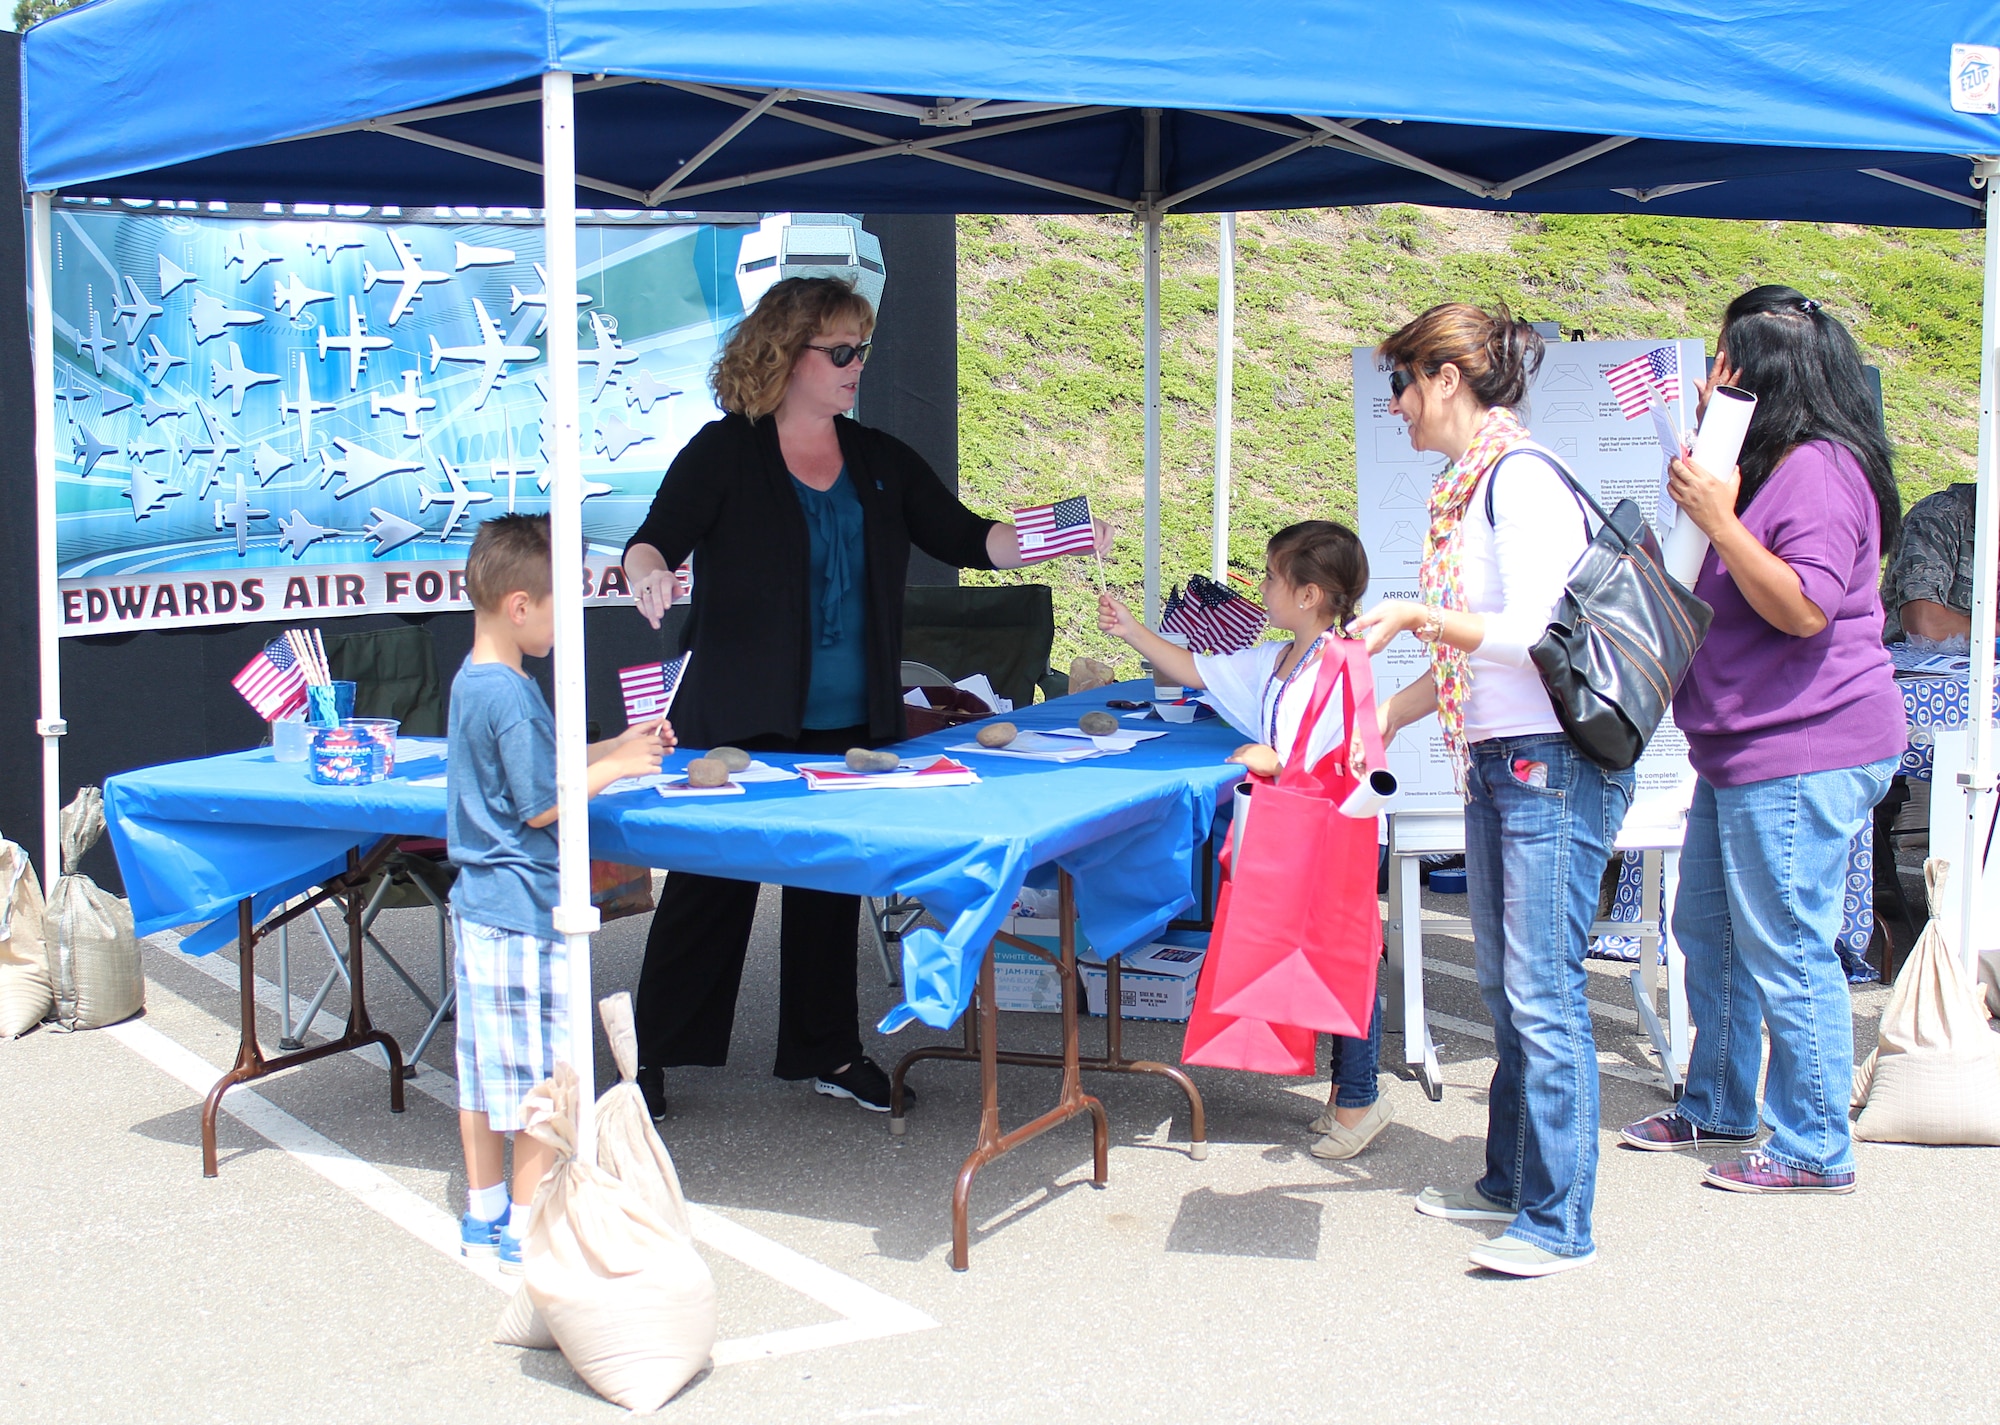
(1314, 575)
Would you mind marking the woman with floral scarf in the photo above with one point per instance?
(1540, 817)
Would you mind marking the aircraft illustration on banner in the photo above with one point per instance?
(591, 488)
(614, 437)
(245, 253)
(409, 405)
(643, 388)
(144, 445)
(110, 402)
(97, 343)
(609, 356)
(171, 276)
(211, 317)
(328, 243)
(492, 354)
(541, 299)
(305, 407)
(135, 313)
(298, 533)
(360, 467)
(356, 343)
(455, 492)
(411, 276)
(74, 392)
(158, 360)
(296, 295)
(155, 411)
(88, 449)
(267, 462)
(389, 531)
(148, 492)
(465, 254)
(218, 443)
(238, 515)
(236, 378)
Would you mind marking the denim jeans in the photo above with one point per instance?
(1540, 819)
(1763, 876)
(1354, 1062)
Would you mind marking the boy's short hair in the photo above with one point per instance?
(509, 552)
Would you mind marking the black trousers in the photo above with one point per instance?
(686, 1005)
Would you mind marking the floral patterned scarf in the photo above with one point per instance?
(1441, 577)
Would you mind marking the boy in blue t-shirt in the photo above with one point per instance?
(500, 789)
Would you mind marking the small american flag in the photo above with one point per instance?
(1048, 530)
(1640, 382)
(272, 683)
(1213, 617)
(649, 688)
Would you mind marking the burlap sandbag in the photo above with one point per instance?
(94, 965)
(25, 997)
(627, 1298)
(629, 1149)
(1935, 1074)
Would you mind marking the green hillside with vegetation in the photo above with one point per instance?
(1051, 376)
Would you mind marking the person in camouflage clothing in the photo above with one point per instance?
(1927, 589)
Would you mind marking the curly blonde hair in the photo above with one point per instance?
(756, 365)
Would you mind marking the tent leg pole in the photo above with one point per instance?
(1150, 214)
(1978, 779)
(575, 917)
(1225, 392)
(50, 724)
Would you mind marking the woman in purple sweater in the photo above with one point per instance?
(1794, 724)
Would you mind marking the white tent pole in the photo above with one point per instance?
(1225, 391)
(1978, 778)
(50, 724)
(575, 916)
(1151, 215)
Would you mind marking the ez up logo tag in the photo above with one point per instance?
(1975, 79)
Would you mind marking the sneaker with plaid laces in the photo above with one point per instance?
(1760, 1172)
(1668, 1131)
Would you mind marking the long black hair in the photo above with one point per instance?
(1805, 370)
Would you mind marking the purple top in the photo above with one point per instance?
(1757, 703)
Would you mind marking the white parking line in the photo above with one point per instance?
(866, 1314)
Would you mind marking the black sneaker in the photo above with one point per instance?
(653, 1088)
(865, 1083)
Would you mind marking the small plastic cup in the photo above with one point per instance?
(1168, 692)
(291, 739)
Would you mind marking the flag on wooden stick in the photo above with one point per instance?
(649, 688)
(273, 682)
(1046, 531)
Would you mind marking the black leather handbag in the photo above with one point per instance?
(1621, 636)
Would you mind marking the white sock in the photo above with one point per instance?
(486, 1203)
(517, 1221)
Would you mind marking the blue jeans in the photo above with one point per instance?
(1534, 856)
(1763, 871)
(1354, 1062)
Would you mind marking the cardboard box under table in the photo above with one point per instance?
(236, 835)
(1156, 981)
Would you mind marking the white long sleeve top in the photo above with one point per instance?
(1514, 570)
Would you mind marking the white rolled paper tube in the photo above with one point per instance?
(1239, 817)
(1371, 796)
(1716, 446)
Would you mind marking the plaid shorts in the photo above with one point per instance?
(513, 1018)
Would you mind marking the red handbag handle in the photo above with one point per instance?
(1357, 700)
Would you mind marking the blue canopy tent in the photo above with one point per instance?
(1831, 111)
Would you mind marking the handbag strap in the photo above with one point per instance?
(1583, 496)
(1357, 698)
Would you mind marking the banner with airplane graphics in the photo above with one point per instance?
(307, 416)
(1600, 405)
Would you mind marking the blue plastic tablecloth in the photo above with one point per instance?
(194, 838)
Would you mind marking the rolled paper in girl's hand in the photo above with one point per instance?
(1716, 446)
(1372, 795)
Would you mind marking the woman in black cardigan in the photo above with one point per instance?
(800, 521)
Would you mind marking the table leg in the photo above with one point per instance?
(250, 1061)
(1406, 958)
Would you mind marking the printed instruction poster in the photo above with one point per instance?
(1612, 448)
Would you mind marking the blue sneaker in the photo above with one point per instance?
(479, 1238)
(510, 1254)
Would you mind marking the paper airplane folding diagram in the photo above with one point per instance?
(608, 356)
(88, 449)
(298, 533)
(295, 295)
(614, 437)
(410, 277)
(356, 342)
(171, 276)
(643, 388)
(147, 492)
(360, 467)
(409, 405)
(158, 360)
(492, 354)
(541, 299)
(389, 531)
(136, 312)
(97, 343)
(211, 317)
(235, 378)
(245, 253)
(237, 514)
(455, 493)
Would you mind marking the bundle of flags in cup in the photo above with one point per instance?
(1213, 617)
(288, 672)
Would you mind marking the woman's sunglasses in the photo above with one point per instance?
(844, 355)
(1399, 382)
